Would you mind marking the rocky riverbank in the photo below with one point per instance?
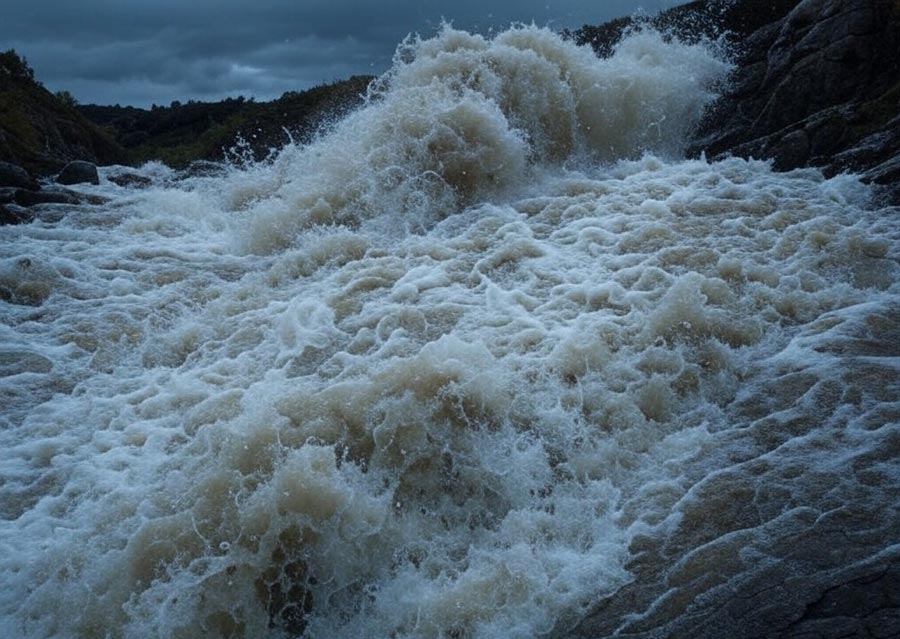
(818, 87)
(40, 131)
(816, 82)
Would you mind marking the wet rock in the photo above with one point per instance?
(14, 215)
(12, 175)
(50, 195)
(792, 150)
(803, 577)
(766, 548)
(7, 194)
(819, 86)
(46, 196)
(203, 168)
(132, 180)
(78, 172)
(816, 82)
(887, 177)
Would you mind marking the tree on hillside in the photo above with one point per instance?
(67, 98)
(15, 66)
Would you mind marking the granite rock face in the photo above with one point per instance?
(817, 87)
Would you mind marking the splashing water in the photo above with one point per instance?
(444, 372)
(462, 120)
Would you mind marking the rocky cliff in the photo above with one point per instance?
(817, 87)
(816, 82)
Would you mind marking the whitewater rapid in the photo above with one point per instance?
(448, 371)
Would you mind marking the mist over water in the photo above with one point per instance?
(448, 371)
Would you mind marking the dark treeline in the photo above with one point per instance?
(42, 131)
(234, 128)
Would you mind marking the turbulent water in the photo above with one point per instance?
(449, 371)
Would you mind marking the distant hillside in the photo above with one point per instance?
(181, 133)
(41, 131)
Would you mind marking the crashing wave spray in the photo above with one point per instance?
(462, 119)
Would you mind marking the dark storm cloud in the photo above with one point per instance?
(116, 51)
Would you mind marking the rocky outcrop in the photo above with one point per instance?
(818, 87)
(816, 82)
(12, 175)
(14, 215)
(19, 191)
(774, 544)
(24, 197)
(78, 172)
(39, 131)
(735, 20)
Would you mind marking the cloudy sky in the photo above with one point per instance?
(142, 52)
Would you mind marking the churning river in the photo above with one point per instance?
(485, 353)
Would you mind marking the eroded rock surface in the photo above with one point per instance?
(798, 534)
(816, 82)
(818, 87)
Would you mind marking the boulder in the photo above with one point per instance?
(203, 168)
(78, 172)
(13, 175)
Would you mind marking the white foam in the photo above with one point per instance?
(461, 119)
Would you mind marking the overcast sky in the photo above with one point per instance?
(142, 52)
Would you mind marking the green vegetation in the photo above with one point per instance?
(41, 131)
(13, 66)
(66, 98)
(232, 129)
